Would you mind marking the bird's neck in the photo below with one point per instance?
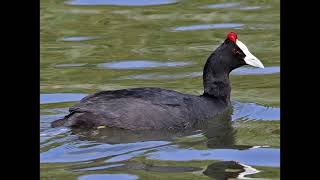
(216, 82)
(217, 88)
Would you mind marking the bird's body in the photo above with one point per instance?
(143, 108)
(155, 108)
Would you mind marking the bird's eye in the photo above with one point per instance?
(236, 52)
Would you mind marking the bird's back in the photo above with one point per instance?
(141, 108)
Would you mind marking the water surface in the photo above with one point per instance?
(232, 6)
(78, 38)
(108, 176)
(165, 44)
(208, 26)
(173, 75)
(141, 64)
(120, 2)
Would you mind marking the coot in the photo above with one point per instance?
(156, 108)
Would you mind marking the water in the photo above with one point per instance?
(108, 176)
(78, 38)
(173, 75)
(232, 6)
(121, 2)
(141, 64)
(71, 65)
(208, 26)
(254, 157)
(160, 44)
(54, 98)
(223, 5)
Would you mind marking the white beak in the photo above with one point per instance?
(249, 59)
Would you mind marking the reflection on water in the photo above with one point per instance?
(255, 156)
(162, 43)
(78, 38)
(218, 170)
(250, 7)
(120, 2)
(109, 145)
(99, 167)
(145, 167)
(60, 97)
(208, 26)
(229, 170)
(78, 151)
(220, 132)
(223, 5)
(252, 111)
(116, 145)
(236, 72)
(232, 6)
(108, 176)
(141, 64)
(71, 65)
(256, 71)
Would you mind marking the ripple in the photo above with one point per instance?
(250, 7)
(108, 176)
(71, 65)
(256, 156)
(49, 118)
(141, 64)
(162, 76)
(256, 71)
(60, 97)
(99, 167)
(120, 2)
(126, 157)
(208, 26)
(254, 111)
(52, 133)
(223, 5)
(239, 71)
(74, 153)
(78, 38)
(56, 111)
(232, 6)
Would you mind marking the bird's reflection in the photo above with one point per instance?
(219, 133)
(121, 136)
(224, 170)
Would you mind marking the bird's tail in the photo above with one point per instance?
(58, 122)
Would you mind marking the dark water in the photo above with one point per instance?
(88, 46)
